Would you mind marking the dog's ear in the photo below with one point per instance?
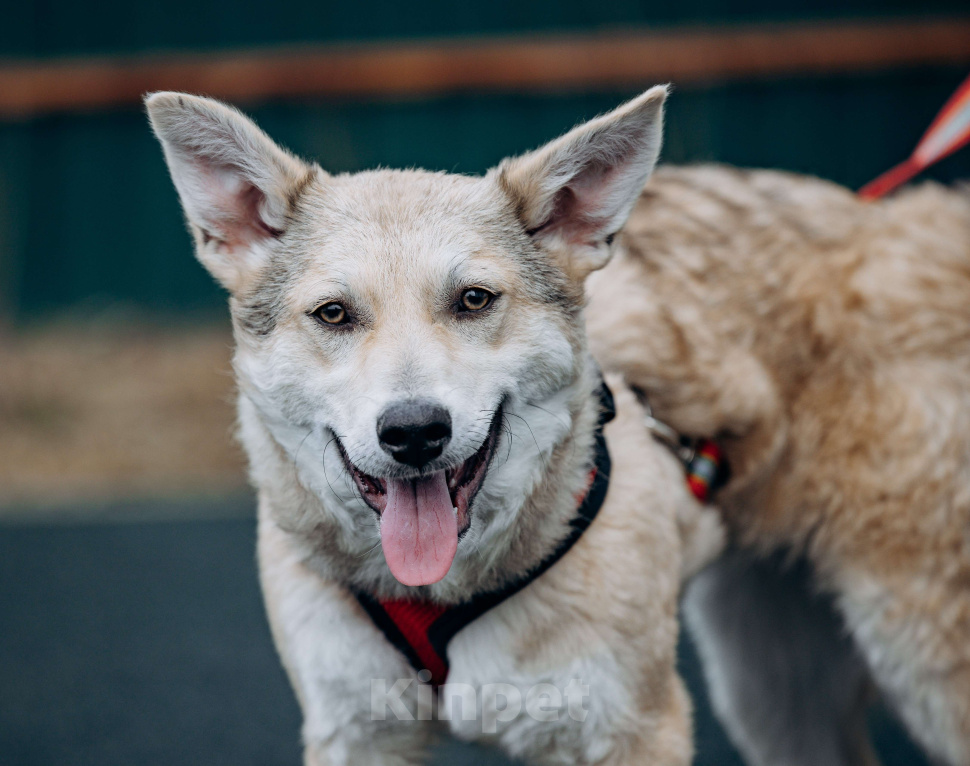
(237, 187)
(575, 193)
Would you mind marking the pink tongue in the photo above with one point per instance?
(419, 530)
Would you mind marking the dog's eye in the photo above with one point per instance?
(331, 313)
(475, 299)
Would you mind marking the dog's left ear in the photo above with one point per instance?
(575, 193)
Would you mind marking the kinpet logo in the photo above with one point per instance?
(491, 704)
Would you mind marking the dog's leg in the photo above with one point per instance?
(668, 742)
(784, 680)
(334, 656)
(914, 631)
(610, 727)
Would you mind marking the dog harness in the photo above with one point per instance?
(421, 630)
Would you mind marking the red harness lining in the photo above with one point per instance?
(414, 619)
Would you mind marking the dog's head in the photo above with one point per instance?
(392, 325)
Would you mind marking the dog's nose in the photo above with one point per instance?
(414, 431)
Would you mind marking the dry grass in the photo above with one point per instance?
(93, 414)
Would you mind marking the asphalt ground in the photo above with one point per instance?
(144, 642)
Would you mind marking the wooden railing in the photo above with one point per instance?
(607, 59)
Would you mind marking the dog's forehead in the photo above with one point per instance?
(408, 204)
(385, 221)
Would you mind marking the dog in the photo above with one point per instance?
(823, 342)
(423, 418)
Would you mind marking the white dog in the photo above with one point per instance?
(425, 429)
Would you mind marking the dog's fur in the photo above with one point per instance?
(825, 342)
(396, 248)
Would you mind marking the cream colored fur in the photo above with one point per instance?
(396, 248)
(825, 342)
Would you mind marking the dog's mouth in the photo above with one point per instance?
(423, 517)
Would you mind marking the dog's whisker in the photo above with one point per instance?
(476, 546)
(323, 462)
(296, 457)
(536, 441)
(355, 492)
(455, 388)
(508, 429)
(370, 550)
(558, 418)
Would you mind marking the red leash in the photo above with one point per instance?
(948, 132)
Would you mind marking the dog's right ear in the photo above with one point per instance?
(237, 187)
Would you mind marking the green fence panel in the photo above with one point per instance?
(91, 220)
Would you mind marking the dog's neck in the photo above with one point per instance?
(519, 517)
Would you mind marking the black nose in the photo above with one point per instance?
(414, 431)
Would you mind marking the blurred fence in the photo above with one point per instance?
(89, 220)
